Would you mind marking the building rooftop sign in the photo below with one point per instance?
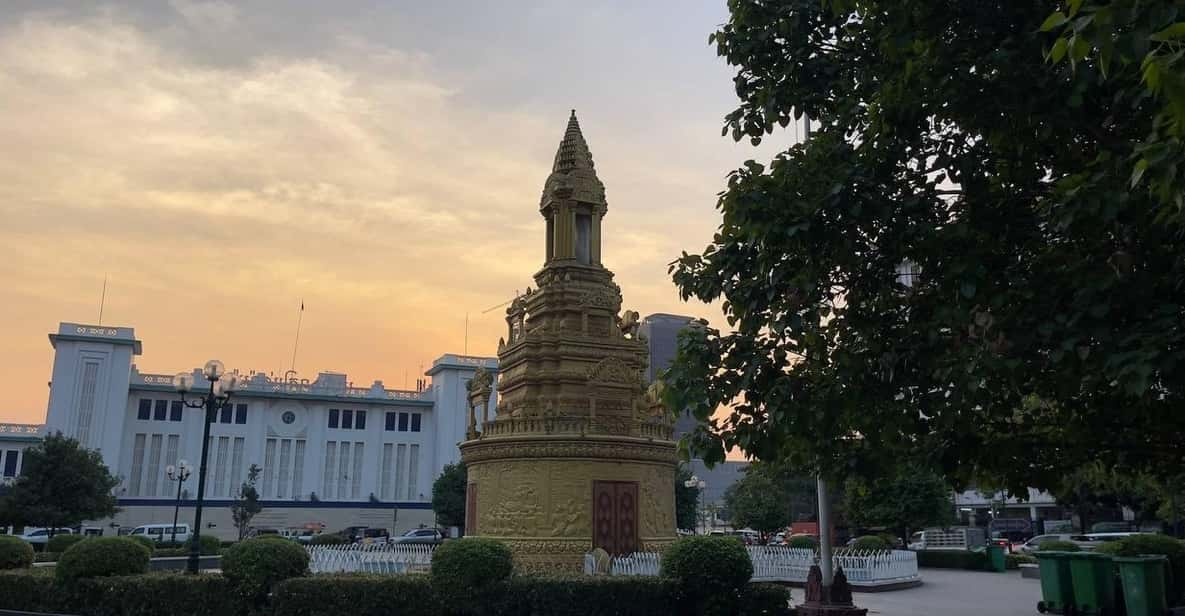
(327, 384)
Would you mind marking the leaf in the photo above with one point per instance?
(1056, 19)
(1059, 51)
(1138, 171)
(1171, 33)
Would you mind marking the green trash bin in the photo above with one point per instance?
(1143, 584)
(1093, 579)
(1057, 590)
(995, 555)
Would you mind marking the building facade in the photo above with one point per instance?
(329, 452)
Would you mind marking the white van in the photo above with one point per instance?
(161, 532)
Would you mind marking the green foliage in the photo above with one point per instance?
(710, 571)
(60, 543)
(448, 495)
(15, 553)
(870, 542)
(358, 595)
(246, 505)
(758, 501)
(61, 484)
(102, 557)
(1059, 546)
(254, 566)
(154, 594)
(1174, 549)
(911, 498)
(1014, 561)
(327, 539)
(686, 499)
(765, 599)
(144, 541)
(954, 559)
(1038, 326)
(46, 557)
(207, 544)
(802, 542)
(463, 571)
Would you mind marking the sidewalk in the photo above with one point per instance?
(965, 593)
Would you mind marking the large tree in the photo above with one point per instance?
(448, 495)
(758, 501)
(977, 256)
(62, 484)
(904, 501)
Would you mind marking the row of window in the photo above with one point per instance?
(170, 410)
(347, 419)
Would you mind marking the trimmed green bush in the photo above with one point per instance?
(1058, 546)
(765, 599)
(163, 594)
(144, 541)
(356, 595)
(711, 571)
(254, 566)
(327, 539)
(1163, 545)
(61, 543)
(802, 542)
(463, 572)
(870, 542)
(170, 552)
(15, 553)
(1014, 561)
(953, 559)
(207, 545)
(102, 557)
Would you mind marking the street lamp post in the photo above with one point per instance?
(222, 385)
(179, 474)
(699, 484)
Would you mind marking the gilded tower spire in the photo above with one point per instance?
(573, 202)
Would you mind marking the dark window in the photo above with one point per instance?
(241, 414)
(161, 411)
(175, 411)
(332, 418)
(360, 420)
(347, 419)
(226, 413)
(10, 463)
(391, 422)
(403, 422)
(145, 412)
(415, 422)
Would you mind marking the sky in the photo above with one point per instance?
(219, 163)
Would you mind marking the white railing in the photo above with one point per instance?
(372, 558)
(783, 564)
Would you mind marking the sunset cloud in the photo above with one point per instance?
(383, 185)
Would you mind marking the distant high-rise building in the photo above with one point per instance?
(662, 332)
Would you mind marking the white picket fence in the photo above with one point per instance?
(783, 564)
(369, 558)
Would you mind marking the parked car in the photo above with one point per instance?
(39, 537)
(162, 532)
(1097, 538)
(1034, 544)
(430, 536)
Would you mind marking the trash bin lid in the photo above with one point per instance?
(1142, 558)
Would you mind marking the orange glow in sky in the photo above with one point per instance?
(219, 166)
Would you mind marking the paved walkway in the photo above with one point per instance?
(965, 593)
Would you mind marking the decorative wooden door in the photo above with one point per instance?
(615, 516)
(471, 509)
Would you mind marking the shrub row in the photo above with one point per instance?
(163, 594)
(15, 553)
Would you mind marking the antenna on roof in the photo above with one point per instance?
(102, 299)
(299, 319)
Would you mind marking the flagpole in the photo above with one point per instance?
(103, 299)
(299, 318)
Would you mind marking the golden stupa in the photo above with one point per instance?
(578, 454)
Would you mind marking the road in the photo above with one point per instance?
(966, 593)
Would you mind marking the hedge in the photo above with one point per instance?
(711, 571)
(164, 594)
(463, 570)
(102, 557)
(802, 542)
(953, 559)
(870, 542)
(173, 594)
(255, 566)
(15, 553)
(61, 543)
(327, 539)
(1164, 545)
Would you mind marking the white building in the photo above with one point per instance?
(330, 452)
